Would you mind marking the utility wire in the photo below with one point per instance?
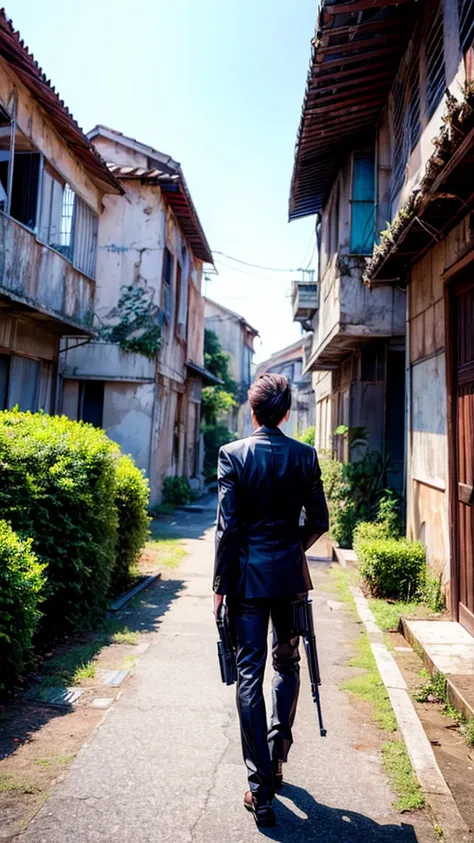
(254, 265)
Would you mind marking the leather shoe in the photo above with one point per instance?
(263, 813)
(277, 766)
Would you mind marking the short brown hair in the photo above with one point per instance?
(270, 399)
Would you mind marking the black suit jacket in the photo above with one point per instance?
(265, 481)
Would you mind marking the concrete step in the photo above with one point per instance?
(446, 648)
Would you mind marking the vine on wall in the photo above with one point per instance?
(135, 322)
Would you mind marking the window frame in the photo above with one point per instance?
(363, 153)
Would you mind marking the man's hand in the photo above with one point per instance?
(218, 600)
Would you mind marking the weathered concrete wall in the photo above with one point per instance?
(105, 361)
(34, 123)
(428, 494)
(128, 411)
(229, 331)
(41, 276)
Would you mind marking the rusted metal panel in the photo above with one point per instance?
(43, 278)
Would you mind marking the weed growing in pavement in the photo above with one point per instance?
(126, 636)
(439, 833)
(369, 686)
(467, 730)
(398, 766)
(72, 667)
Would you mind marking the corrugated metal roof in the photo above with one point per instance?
(355, 56)
(14, 51)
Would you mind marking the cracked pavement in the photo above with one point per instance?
(165, 764)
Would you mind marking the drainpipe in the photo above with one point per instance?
(407, 444)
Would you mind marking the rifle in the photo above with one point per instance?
(303, 625)
(225, 647)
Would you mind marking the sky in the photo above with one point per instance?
(218, 85)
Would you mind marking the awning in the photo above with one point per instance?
(207, 377)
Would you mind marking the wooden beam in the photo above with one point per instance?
(381, 78)
(350, 104)
(385, 51)
(360, 6)
(352, 46)
(352, 28)
(318, 76)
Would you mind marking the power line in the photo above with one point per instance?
(254, 265)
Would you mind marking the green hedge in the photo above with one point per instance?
(58, 486)
(132, 500)
(394, 568)
(21, 583)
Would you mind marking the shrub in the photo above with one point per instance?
(308, 435)
(132, 500)
(177, 491)
(21, 583)
(215, 435)
(58, 486)
(393, 568)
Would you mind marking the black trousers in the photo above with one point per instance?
(260, 745)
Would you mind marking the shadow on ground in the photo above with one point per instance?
(300, 818)
(24, 714)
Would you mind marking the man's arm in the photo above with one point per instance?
(317, 516)
(227, 532)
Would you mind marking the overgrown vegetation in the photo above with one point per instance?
(132, 498)
(393, 568)
(21, 585)
(308, 436)
(65, 487)
(134, 323)
(177, 492)
(369, 686)
(217, 402)
(354, 492)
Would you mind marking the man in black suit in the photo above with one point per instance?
(265, 482)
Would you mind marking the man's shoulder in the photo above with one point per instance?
(302, 448)
(236, 447)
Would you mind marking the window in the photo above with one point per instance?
(363, 204)
(167, 285)
(466, 23)
(4, 377)
(67, 224)
(24, 381)
(434, 49)
(247, 355)
(85, 237)
(91, 402)
(49, 229)
(413, 115)
(182, 283)
(400, 149)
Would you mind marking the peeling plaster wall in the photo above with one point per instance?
(128, 412)
(428, 493)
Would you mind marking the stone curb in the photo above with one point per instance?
(430, 777)
(117, 604)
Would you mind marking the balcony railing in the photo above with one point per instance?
(42, 279)
(305, 300)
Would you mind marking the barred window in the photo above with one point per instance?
(434, 48)
(85, 238)
(167, 285)
(466, 23)
(413, 115)
(400, 146)
(363, 204)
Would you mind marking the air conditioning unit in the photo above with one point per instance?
(305, 298)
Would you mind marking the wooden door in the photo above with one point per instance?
(464, 366)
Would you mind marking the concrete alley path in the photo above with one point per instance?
(165, 765)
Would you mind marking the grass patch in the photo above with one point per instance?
(342, 579)
(397, 765)
(369, 686)
(467, 730)
(388, 614)
(126, 636)
(170, 552)
(435, 690)
(72, 667)
(17, 784)
(56, 759)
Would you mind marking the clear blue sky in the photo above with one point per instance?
(216, 84)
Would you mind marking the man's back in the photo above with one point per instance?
(265, 481)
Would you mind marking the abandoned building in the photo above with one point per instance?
(52, 187)
(237, 338)
(384, 158)
(144, 387)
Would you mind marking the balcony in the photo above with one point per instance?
(105, 361)
(39, 279)
(305, 300)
